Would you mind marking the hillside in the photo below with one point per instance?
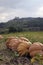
(24, 24)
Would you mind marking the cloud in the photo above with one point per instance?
(9, 3)
(10, 14)
(21, 8)
(40, 12)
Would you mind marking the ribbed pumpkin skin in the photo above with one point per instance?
(23, 48)
(24, 39)
(8, 41)
(13, 42)
(36, 48)
(41, 46)
(33, 53)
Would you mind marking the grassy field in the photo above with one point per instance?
(32, 36)
(6, 55)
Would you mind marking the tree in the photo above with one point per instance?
(12, 29)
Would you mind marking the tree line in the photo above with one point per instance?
(22, 24)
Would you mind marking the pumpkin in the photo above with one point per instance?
(23, 48)
(12, 43)
(8, 41)
(18, 44)
(35, 46)
(35, 52)
(24, 39)
(41, 46)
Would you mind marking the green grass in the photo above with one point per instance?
(32, 36)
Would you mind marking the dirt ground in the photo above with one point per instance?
(7, 57)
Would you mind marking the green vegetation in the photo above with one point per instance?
(6, 55)
(22, 24)
(32, 36)
(38, 58)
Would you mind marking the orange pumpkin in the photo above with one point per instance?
(12, 43)
(35, 46)
(23, 48)
(8, 41)
(35, 52)
(24, 39)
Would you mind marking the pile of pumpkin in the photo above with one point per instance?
(23, 46)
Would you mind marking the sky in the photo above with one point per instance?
(10, 9)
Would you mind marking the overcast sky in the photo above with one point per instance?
(20, 8)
